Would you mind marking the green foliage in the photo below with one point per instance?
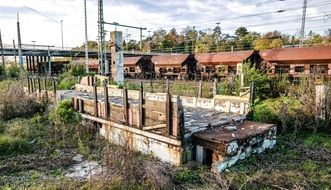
(13, 145)
(2, 72)
(64, 114)
(187, 175)
(13, 71)
(78, 70)
(229, 87)
(318, 140)
(67, 82)
(133, 86)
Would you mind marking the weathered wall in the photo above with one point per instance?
(229, 104)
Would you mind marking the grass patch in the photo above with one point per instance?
(318, 140)
(13, 145)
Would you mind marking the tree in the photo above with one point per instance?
(276, 43)
(261, 44)
(241, 32)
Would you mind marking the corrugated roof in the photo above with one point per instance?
(307, 54)
(131, 61)
(223, 57)
(169, 60)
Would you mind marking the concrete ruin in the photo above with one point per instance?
(173, 128)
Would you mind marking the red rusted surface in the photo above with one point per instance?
(307, 55)
(131, 61)
(170, 60)
(243, 131)
(225, 58)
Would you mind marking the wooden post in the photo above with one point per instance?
(29, 88)
(215, 88)
(141, 102)
(79, 79)
(95, 93)
(81, 105)
(151, 83)
(126, 105)
(168, 111)
(200, 89)
(39, 85)
(105, 82)
(34, 85)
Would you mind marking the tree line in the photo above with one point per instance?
(191, 40)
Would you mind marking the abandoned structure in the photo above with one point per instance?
(175, 66)
(298, 61)
(138, 67)
(40, 65)
(173, 128)
(223, 64)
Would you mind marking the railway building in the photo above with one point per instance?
(138, 67)
(182, 66)
(224, 64)
(298, 61)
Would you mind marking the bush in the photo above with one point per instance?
(13, 71)
(64, 114)
(13, 145)
(78, 70)
(15, 103)
(2, 72)
(187, 175)
(67, 83)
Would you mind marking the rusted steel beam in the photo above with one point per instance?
(168, 110)
(252, 93)
(126, 105)
(45, 88)
(81, 105)
(29, 87)
(39, 85)
(33, 64)
(32, 87)
(54, 87)
(141, 102)
(95, 96)
(106, 99)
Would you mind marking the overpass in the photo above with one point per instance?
(30, 50)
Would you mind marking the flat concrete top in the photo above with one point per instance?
(234, 132)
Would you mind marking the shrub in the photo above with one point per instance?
(67, 83)
(78, 70)
(13, 145)
(187, 175)
(13, 71)
(64, 114)
(2, 72)
(15, 103)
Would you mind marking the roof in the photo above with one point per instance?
(131, 61)
(170, 60)
(226, 58)
(319, 54)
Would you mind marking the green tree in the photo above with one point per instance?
(276, 43)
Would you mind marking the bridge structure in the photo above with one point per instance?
(44, 51)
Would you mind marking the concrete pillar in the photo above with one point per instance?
(117, 71)
(321, 102)
(215, 87)
(200, 154)
(200, 89)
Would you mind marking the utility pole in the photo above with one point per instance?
(86, 39)
(303, 25)
(14, 52)
(62, 32)
(1, 46)
(103, 67)
(20, 56)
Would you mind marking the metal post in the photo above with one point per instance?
(20, 54)
(54, 88)
(49, 62)
(1, 47)
(126, 105)
(45, 88)
(105, 82)
(29, 87)
(33, 64)
(62, 32)
(86, 39)
(95, 93)
(200, 89)
(141, 39)
(251, 94)
(14, 51)
(168, 110)
(39, 85)
(34, 84)
(141, 102)
(32, 87)
(303, 24)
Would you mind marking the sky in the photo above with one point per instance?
(40, 19)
